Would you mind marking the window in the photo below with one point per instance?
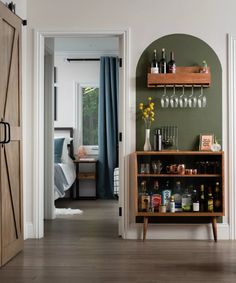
(88, 117)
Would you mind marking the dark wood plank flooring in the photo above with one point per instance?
(86, 249)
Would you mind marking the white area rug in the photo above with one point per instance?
(67, 211)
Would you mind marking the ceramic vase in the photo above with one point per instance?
(147, 145)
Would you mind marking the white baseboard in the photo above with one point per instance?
(163, 231)
(179, 232)
(29, 231)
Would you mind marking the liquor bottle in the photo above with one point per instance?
(162, 63)
(178, 196)
(158, 140)
(144, 198)
(171, 66)
(195, 199)
(154, 63)
(151, 203)
(186, 200)
(166, 193)
(217, 198)
(172, 204)
(156, 197)
(202, 199)
(210, 200)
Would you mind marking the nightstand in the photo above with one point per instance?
(89, 174)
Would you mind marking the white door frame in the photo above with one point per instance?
(232, 133)
(38, 134)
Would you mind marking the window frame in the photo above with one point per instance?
(90, 149)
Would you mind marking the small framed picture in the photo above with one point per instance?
(206, 141)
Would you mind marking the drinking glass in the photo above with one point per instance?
(201, 99)
(192, 100)
(156, 167)
(174, 99)
(164, 99)
(183, 100)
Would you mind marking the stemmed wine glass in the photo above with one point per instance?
(174, 99)
(164, 99)
(201, 99)
(192, 100)
(183, 100)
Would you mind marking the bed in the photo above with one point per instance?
(64, 167)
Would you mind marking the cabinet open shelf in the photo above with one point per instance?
(180, 214)
(178, 175)
(184, 76)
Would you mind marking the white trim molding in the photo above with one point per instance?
(232, 133)
(29, 231)
(38, 135)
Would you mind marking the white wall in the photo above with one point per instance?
(68, 74)
(148, 20)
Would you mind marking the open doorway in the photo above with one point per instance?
(70, 105)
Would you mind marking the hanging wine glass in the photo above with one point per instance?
(201, 99)
(174, 99)
(183, 100)
(164, 99)
(192, 100)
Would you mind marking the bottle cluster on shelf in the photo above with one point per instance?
(176, 197)
(197, 167)
(162, 66)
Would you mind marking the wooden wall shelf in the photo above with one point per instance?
(184, 76)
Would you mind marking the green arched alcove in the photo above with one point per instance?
(189, 51)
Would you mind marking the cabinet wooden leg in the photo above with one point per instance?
(214, 228)
(145, 225)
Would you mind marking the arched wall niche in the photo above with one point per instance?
(189, 51)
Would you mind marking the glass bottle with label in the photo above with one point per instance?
(171, 64)
(196, 206)
(186, 201)
(178, 196)
(156, 197)
(162, 63)
(144, 197)
(217, 198)
(172, 204)
(166, 193)
(154, 63)
(202, 199)
(210, 201)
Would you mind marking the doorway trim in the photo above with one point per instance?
(232, 133)
(38, 134)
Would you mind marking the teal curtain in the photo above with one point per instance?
(107, 126)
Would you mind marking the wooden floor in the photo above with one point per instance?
(86, 249)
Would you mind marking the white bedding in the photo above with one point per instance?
(69, 171)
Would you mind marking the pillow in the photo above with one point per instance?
(58, 146)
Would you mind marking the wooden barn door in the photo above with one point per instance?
(11, 205)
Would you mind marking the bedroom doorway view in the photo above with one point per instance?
(81, 126)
